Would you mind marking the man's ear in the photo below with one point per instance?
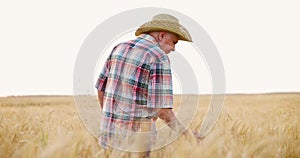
(161, 35)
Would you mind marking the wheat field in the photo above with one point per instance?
(256, 125)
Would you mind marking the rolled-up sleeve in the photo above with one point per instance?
(160, 90)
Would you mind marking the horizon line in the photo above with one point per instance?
(200, 94)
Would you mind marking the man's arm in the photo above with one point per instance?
(100, 98)
(171, 120)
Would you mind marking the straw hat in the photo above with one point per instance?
(165, 22)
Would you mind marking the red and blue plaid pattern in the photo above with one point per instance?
(137, 81)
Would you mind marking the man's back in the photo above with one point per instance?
(137, 81)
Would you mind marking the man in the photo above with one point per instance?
(135, 85)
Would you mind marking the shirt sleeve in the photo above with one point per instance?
(102, 79)
(160, 90)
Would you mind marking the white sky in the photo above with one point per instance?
(258, 41)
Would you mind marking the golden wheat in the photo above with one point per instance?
(249, 126)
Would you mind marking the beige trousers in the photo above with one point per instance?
(138, 142)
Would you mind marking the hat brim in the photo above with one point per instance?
(160, 25)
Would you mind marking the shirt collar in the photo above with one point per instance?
(148, 38)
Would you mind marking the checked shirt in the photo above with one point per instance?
(136, 81)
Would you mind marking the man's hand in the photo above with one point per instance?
(168, 116)
(197, 136)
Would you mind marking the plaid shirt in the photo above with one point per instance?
(136, 81)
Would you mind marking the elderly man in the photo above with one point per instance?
(135, 85)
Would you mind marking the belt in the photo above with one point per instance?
(127, 118)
